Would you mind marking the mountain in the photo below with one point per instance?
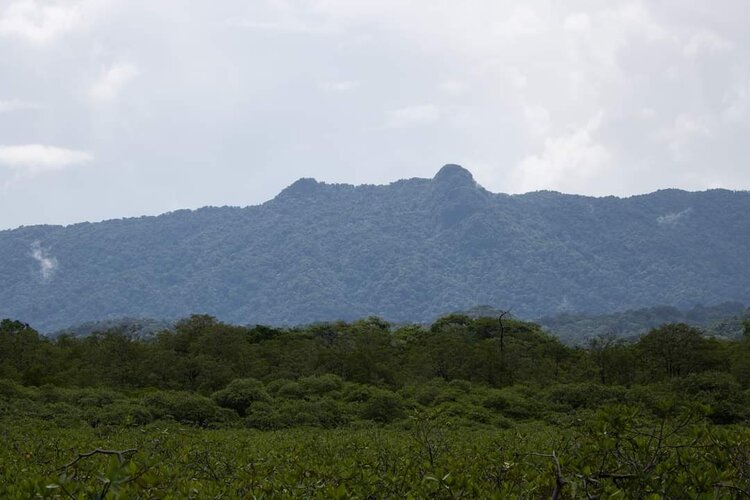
(725, 320)
(407, 251)
(134, 328)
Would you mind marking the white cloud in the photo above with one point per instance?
(537, 119)
(595, 40)
(452, 86)
(517, 78)
(36, 158)
(339, 86)
(522, 22)
(646, 113)
(285, 23)
(682, 133)
(17, 105)
(737, 103)
(673, 218)
(413, 115)
(479, 94)
(706, 42)
(47, 263)
(579, 21)
(112, 81)
(569, 162)
(42, 21)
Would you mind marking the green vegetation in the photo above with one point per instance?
(410, 251)
(468, 407)
(727, 320)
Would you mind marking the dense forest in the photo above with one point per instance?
(409, 251)
(464, 407)
(724, 320)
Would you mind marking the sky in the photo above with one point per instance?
(120, 108)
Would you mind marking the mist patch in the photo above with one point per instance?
(47, 263)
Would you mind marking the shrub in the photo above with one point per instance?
(321, 384)
(425, 393)
(62, 414)
(95, 397)
(357, 393)
(585, 395)
(240, 394)
(383, 406)
(496, 400)
(184, 407)
(291, 390)
(516, 402)
(264, 416)
(720, 391)
(120, 413)
(460, 385)
(12, 390)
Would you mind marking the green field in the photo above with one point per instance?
(466, 408)
(614, 455)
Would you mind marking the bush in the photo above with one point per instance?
(383, 406)
(424, 393)
(96, 397)
(460, 385)
(323, 413)
(62, 414)
(467, 414)
(184, 407)
(357, 393)
(516, 402)
(331, 413)
(263, 416)
(321, 384)
(12, 390)
(120, 414)
(720, 391)
(240, 394)
(496, 400)
(585, 395)
(290, 390)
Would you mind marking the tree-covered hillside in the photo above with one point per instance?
(726, 320)
(408, 251)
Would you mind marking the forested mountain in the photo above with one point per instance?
(408, 251)
(135, 328)
(726, 320)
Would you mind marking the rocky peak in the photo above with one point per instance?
(452, 175)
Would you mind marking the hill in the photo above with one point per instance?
(408, 251)
(726, 320)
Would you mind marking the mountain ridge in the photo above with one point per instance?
(407, 251)
(311, 181)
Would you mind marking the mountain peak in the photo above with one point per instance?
(301, 187)
(455, 175)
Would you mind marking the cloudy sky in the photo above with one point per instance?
(113, 108)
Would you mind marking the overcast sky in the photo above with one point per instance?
(113, 108)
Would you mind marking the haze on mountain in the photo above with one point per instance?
(408, 251)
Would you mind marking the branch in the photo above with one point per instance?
(119, 454)
(614, 475)
(559, 480)
(733, 488)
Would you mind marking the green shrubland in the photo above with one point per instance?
(464, 408)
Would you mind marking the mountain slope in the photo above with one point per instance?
(407, 251)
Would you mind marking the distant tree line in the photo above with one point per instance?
(203, 355)
(368, 369)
